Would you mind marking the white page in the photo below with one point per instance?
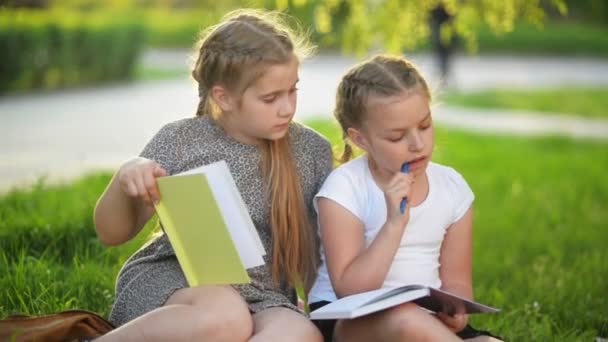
(366, 302)
(244, 214)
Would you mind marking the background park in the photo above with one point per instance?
(522, 114)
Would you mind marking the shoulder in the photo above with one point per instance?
(446, 174)
(187, 126)
(448, 177)
(453, 187)
(347, 186)
(354, 168)
(177, 140)
(350, 174)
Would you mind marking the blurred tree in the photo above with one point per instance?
(358, 25)
(593, 10)
(398, 25)
(24, 3)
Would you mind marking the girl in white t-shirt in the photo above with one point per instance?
(383, 107)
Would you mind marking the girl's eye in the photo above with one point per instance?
(269, 99)
(425, 127)
(293, 90)
(395, 139)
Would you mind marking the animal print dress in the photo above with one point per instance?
(153, 274)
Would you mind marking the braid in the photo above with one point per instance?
(233, 55)
(382, 76)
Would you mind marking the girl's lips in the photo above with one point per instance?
(282, 126)
(416, 163)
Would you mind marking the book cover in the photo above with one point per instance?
(208, 225)
(432, 299)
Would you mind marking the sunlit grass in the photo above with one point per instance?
(585, 102)
(539, 248)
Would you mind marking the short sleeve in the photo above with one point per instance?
(164, 148)
(462, 195)
(340, 187)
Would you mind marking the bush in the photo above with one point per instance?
(54, 49)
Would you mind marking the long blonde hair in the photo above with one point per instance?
(234, 54)
(382, 75)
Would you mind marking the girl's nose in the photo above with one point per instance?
(287, 107)
(415, 142)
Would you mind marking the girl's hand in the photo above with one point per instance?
(455, 323)
(399, 187)
(137, 178)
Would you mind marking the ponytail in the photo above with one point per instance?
(294, 251)
(347, 154)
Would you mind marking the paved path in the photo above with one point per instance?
(63, 134)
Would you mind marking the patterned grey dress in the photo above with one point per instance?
(152, 274)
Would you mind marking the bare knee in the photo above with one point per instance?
(408, 322)
(309, 332)
(276, 323)
(226, 325)
(219, 313)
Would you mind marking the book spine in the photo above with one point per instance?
(169, 227)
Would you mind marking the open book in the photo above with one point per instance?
(365, 303)
(208, 225)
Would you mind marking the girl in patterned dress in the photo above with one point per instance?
(247, 72)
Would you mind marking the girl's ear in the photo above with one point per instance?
(222, 98)
(357, 138)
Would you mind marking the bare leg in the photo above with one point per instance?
(282, 324)
(406, 322)
(214, 313)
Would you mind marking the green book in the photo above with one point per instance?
(208, 225)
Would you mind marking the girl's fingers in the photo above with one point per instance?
(131, 188)
(159, 171)
(455, 323)
(151, 187)
(142, 191)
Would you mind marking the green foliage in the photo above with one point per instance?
(179, 28)
(355, 26)
(399, 25)
(539, 245)
(58, 49)
(587, 102)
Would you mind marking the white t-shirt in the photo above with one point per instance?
(417, 259)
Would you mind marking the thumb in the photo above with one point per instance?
(159, 171)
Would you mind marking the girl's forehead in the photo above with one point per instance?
(401, 111)
(277, 77)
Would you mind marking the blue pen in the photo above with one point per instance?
(405, 168)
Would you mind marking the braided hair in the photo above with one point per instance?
(234, 54)
(383, 76)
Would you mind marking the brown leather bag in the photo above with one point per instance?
(70, 325)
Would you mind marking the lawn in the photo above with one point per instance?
(585, 102)
(539, 250)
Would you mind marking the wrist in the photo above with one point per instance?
(394, 226)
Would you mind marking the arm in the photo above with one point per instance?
(127, 203)
(456, 257)
(353, 268)
(456, 265)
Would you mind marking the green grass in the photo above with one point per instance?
(539, 250)
(554, 38)
(585, 102)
